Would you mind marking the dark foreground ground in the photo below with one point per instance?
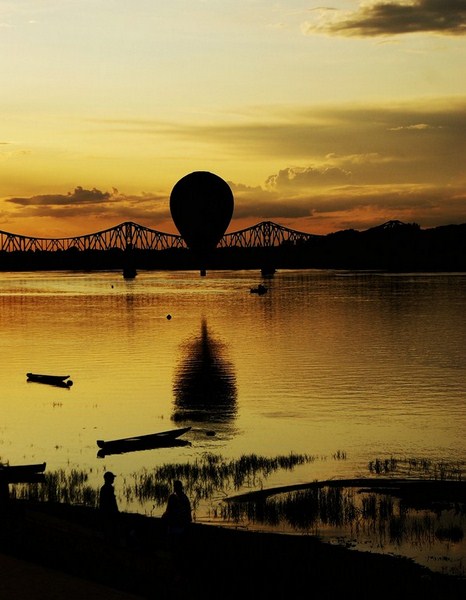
(51, 552)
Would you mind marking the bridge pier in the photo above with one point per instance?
(129, 272)
(129, 268)
(268, 271)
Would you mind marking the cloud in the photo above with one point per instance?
(260, 203)
(358, 190)
(79, 197)
(294, 134)
(445, 17)
(419, 126)
(332, 165)
(307, 176)
(112, 206)
(353, 206)
(282, 198)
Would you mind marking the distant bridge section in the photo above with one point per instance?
(263, 235)
(124, 236)
(128, 235)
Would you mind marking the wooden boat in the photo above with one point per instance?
(260, 289)
(59, 380)
(22, 473)
(161, 435)
(162, 439)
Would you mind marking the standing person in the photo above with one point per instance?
(108, 507)
(177, 514)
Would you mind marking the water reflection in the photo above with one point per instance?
(422, 519)
(205, 382)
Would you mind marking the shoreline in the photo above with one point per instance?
(65, 541)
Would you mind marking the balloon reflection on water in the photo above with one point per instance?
(205, 382)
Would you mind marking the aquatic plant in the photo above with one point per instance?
(419, 467)
(302, 510)
(376, 516)
(451, 533)
(209, 476)
(59, 486)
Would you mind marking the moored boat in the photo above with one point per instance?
(59, 380)
(260, 289)
(31, 473)
(162, 439)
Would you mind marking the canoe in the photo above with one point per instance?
(34, 468)
(59, 380)
(260, 289)
(137, 446)
(160, 439)
(22, 473)
(40, 377)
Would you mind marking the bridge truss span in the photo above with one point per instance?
(129, 235)
(264, 235)
(125, 236)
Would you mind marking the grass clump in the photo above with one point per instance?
(209, 476)
(418, 467)
(59, 486)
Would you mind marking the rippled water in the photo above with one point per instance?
(370, 365)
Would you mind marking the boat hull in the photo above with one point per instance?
(58, 380)
(260, 290)
(135, 446)
(22, 473)
(162, 439)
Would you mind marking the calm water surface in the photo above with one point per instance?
(367, 365)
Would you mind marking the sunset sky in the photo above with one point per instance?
(321, 115)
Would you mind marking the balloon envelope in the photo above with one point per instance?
(201, 205)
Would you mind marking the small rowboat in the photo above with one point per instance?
(162, 439)
(59, 380)
(260, 289)
(22, 473)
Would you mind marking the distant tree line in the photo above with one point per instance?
(393, 246)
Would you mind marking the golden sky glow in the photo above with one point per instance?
(321, 116)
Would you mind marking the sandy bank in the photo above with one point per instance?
(62, 547)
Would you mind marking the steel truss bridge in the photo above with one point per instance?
(128, 235)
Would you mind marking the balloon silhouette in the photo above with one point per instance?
(201, 205)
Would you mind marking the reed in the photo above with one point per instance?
(379, 517)
(209, 476)
(356, 515)
(302, 509)
(59, 486)
(440, 470)
(451, 533)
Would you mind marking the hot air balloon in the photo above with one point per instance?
(201, 205)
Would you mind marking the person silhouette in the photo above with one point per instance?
(177, 513)
(108, 507)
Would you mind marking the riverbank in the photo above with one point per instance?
(66, 547)
(24, 580)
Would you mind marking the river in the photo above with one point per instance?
(348, 367)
